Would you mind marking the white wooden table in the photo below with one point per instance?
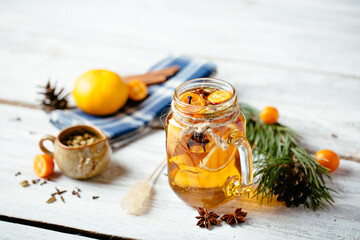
(302, 56)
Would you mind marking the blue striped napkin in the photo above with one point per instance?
(131, 122)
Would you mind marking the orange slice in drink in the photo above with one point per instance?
(207, 176)
(184, 163)
(219, 96)
(192, 99)
(172, 136)
(218, 158)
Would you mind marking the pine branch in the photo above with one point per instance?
(274, 148)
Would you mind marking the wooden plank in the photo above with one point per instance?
(319, 36)
(165, 216)
(18, 231)
(270, 32)
(317, 106)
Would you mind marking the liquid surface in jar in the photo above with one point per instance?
(205, 96)
(199, 170)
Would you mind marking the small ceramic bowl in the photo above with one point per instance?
(79, 162)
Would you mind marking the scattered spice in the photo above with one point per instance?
(24, 183)
(44, 182)
(95, 197)
(17, 119)
(237, 217)
(75, 193)
(50, 180)
(58, 192)
(207, 218)
(17, 174)
(35, 181)
(32, 133)
(334, 135)
(51, 199)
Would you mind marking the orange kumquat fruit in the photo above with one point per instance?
(137, 90)
(219, 96)
(193, 99)
(43, 165)
(269, 115)
(328, 159)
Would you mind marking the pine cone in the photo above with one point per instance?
(53, 99)
(292, 186)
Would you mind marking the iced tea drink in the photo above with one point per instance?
(209, 158)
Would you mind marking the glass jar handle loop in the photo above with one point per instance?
(246, 164)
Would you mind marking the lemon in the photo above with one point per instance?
(100, 92)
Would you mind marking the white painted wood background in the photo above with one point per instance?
(300, 56)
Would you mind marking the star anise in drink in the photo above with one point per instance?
(237, 217)
(207, 218)
(197, 139)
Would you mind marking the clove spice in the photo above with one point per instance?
(44, 182)
(35, 181)
(75, 193)
(58, 192)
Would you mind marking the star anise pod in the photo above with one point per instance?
(206, 218)
(197, 139)
(237, 217)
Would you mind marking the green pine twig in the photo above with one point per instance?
(274, 147)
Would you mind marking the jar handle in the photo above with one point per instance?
(246, 165)
(43, 148)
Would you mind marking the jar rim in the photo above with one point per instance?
(204, 82)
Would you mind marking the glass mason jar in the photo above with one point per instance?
(209, 158)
